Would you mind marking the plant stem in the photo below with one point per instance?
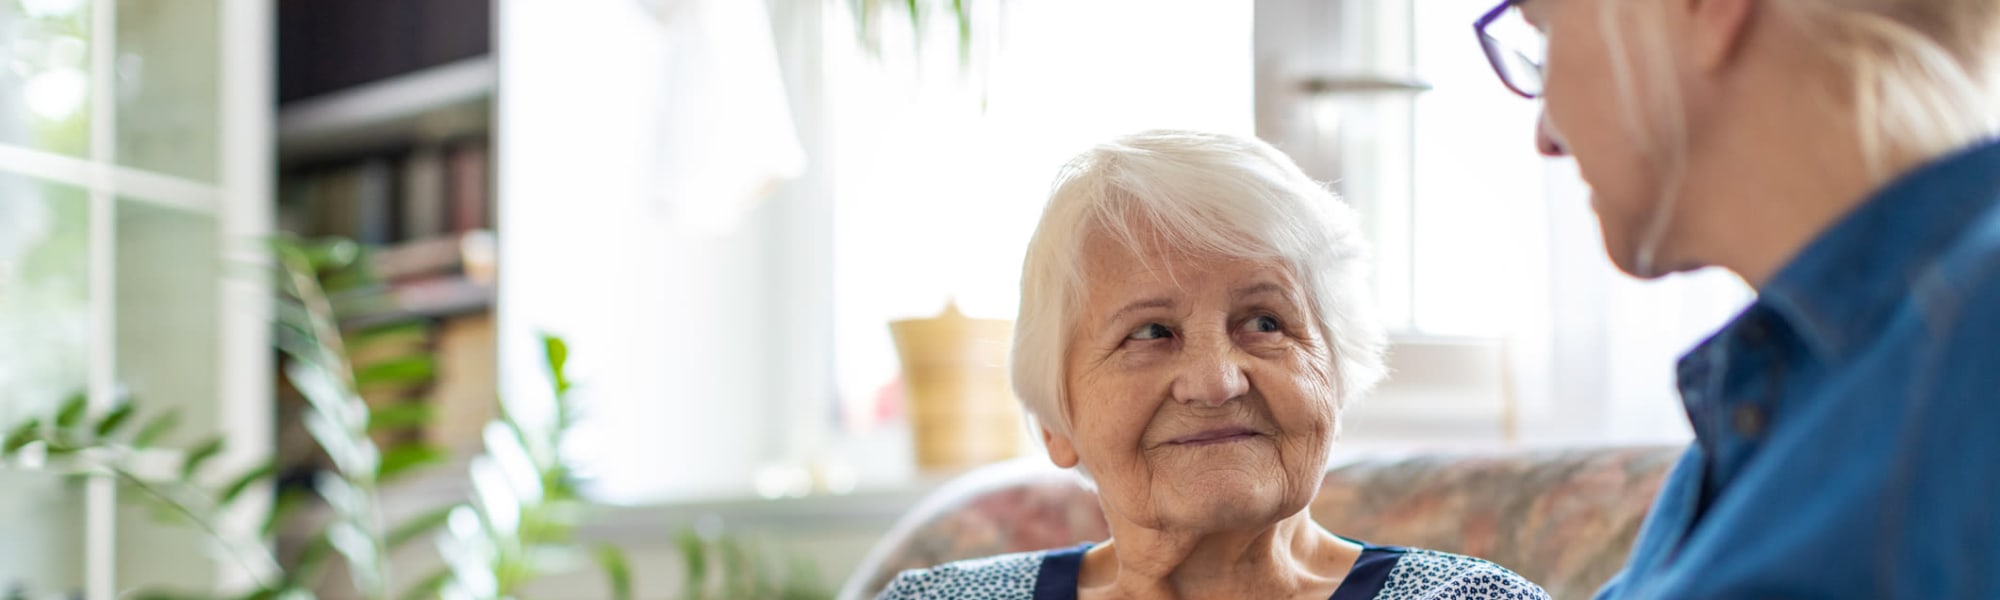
(234, 549)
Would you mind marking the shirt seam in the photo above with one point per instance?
(1944, 306)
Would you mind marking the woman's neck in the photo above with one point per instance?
(1771, 198)
(1776, 166)
(1292, 558)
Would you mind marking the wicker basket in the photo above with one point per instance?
(962, 411)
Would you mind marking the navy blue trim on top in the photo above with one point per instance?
(1060, 572)
(1370, 573)
(1061, 569)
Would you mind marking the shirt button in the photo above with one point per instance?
(1748, 421)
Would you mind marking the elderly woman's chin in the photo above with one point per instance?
(1223, 485)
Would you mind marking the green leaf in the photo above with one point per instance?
(802, 581)
(353, 454)
(200, 454)
(428, 586)
(556, 351)
(695, 555)
(289, 500)
(62, 449)
(406, 371)
(165, 595)
(405, 334)
(269, 593)
(404, 415)
(964, 33)
(156, 428)
(72, 411)
(292, 314)
(419, 525)
(162, 512)
(403, 459)
(328, 394)
(118, 417)
(617, 569)
(736, 572)
(22, 435)
(325, 253)
(342, 280)
(244, 481)
(312, 559)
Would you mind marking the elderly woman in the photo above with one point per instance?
(1192, 321)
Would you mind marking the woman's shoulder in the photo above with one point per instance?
(1003, 577)
(1420, 573)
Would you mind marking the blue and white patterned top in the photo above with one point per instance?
(1382, 573)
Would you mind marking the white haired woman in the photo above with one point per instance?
(1193, 318)
(1838, 155)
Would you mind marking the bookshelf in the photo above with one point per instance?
(434, 103)
(383, 128)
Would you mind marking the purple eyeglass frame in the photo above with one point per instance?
(1493, 50)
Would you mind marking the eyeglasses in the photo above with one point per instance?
(1515, 48)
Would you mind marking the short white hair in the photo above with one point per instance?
(1229, 196)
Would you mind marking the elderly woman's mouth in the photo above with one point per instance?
(1214, 436)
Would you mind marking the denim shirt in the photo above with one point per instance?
(1847, 423)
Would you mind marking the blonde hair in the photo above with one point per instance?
(1919, 71)
(1918, 74)
(1229, 196)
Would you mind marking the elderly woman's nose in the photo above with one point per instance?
(1211, 376)
(1547, 141)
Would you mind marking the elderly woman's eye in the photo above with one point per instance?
(1150, 331)
(1263, 324)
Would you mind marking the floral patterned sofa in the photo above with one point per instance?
(1562, 518)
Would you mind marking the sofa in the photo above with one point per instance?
(1563, 518)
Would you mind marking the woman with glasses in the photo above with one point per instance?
(1838, 156)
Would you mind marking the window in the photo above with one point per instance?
(133, 164)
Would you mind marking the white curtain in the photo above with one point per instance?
(1598, 363)
(637, 143)
(726, 137)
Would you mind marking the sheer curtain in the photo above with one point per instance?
(1601, 369)
(640, 146)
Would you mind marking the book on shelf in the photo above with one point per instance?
(469, 254)
(471, 201)
(415, 193)
(422, 200)
(333, 201)
(425, 298)
(373, 184)
(466, 395)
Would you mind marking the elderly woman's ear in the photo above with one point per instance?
(1062, 452)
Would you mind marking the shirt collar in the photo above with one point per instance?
(1845, 284)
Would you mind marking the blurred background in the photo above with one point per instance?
(720, 207)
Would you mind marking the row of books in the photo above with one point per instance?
(425, 192)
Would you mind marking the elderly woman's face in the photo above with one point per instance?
(1200, 390)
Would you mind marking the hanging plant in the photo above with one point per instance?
(871, 16)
